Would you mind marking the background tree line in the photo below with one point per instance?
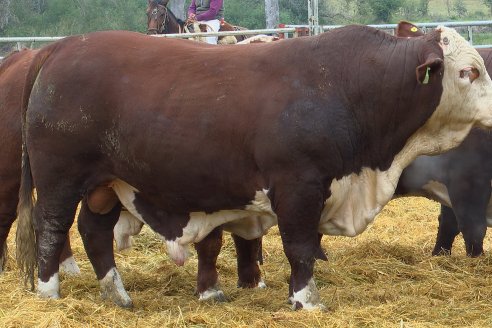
(65, 17)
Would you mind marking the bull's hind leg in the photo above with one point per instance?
(7, 217)
(53, 216)
(248, 257)
(97, 218)
(67, 261)
(9, 191)
(207, 278)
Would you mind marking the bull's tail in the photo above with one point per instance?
(25, 236)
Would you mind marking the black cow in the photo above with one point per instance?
(461, 181)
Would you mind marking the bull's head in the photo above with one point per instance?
(466, 100)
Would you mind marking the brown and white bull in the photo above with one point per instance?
(13, 71)
(313, 131)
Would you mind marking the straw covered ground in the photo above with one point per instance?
(384, 278)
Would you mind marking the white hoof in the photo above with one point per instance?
(69, 267)
(212, 294)
(262, 284)
(112, 288)
(307, 298)
(49, 289)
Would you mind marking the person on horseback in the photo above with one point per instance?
(208, 12)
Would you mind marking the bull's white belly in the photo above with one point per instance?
(250, 223)
(349, 210)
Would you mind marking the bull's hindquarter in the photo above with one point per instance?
(197, 128)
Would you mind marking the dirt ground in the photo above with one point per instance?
(385, 277)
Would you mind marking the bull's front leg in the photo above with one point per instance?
(208, 250)
(298, 206)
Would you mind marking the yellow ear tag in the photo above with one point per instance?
(414, 29)
(426, 78)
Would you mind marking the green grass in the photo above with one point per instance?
(439, 7)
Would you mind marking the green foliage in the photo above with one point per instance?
(252, 13)
(66, 17)
(488, 3)
(460, 9)
(383, 9)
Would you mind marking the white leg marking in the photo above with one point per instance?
(112, 288)
(212, 294)
(69, 267)
(50, 289)
(308, 297)
(262, 284)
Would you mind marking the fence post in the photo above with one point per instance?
(313, 17)
(470, 35)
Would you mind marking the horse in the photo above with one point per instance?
(161, 20)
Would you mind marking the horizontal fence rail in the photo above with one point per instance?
(177, 35)
(424, 26)
(244, 32)
(392, 26)
(285, 29)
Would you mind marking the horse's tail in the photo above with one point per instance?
(25, 237)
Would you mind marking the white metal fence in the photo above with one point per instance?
(424, 26)
(287, 31)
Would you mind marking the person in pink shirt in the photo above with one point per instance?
(209, 12)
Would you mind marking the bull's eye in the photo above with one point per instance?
(445, 40)
(469, 72)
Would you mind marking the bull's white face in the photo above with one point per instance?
(466, 100)
(466, 78)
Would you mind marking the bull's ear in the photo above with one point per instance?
(407, 30)
(432, 65)
(469, 72)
